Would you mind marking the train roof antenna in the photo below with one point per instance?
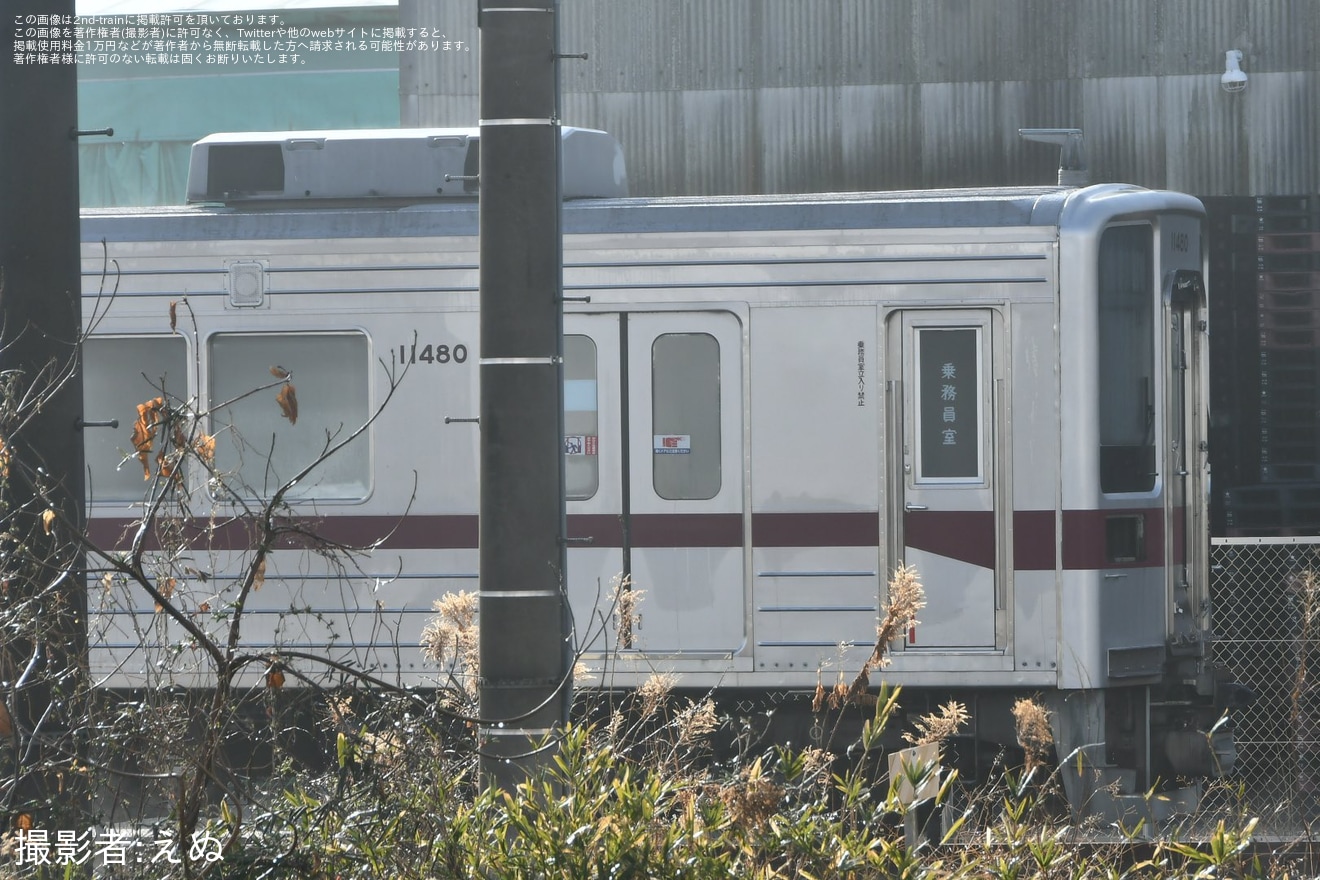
(1072, 165)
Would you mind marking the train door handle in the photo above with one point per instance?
(910, 506)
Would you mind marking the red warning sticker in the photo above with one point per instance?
(672, 444)
(581, 444)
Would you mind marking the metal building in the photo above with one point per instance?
(746, 96)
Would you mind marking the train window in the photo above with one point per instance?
(685, 416)
(1125, 538)
(264, 442)
(1127, 359)
(119, 373)
(581, 418)
(949, 394)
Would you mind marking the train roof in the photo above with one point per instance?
(953, 208)
(399, 183)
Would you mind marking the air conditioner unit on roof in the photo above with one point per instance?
(395, 164)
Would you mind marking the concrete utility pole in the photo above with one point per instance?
(40, 322)
(526, 683)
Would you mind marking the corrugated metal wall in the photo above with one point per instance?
(739, 96)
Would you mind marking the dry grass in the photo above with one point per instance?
(697, 722)
(627, 618)
(1033, 732)
(452, 639)
(654, 693)
(938, 726)
(906, 598)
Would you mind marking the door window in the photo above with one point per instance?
(685, 416)
(581, 418)
(949, 405)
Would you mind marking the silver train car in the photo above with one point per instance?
(770, 403)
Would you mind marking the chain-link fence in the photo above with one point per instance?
(1265, 595)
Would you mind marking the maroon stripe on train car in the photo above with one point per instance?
(118, 533)
(816, 529)
(603, 529)
(440, 532)
(457, 532)
(1084, 539)
(1033, 540)
(965, 535)
(687, 529)
(968, 536)
(725, 530)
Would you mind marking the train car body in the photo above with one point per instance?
(770, 403)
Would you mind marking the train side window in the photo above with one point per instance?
(685, 416)
(581, 418)
(119, 373)
(1127, 359)
(258, 443)
(1125, 538)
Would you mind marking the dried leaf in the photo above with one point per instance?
(205, 448)
(259, 576)
(274, 678)
(288, 402)
(204, 607)
(48, 520)
(174, 315)
(4, 460)
(107, 581)
(23, 822)
(6, 723)
(166, 589)
(168, 460)
(144, 431)
(279, 372)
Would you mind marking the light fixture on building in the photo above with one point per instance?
(1234, 79)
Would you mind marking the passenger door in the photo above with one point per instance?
(670, 498)
(950, 529)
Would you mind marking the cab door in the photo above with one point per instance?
(950, 529)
